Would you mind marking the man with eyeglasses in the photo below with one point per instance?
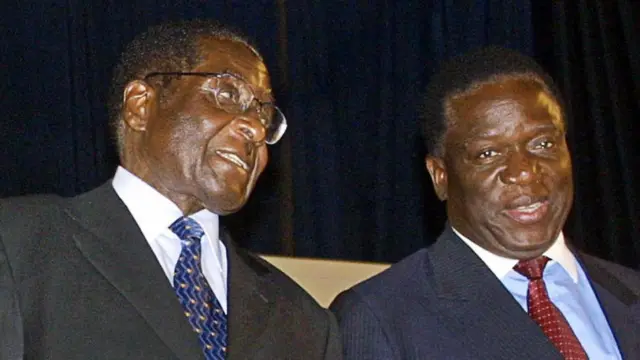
(139, 267)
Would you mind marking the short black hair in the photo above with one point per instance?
(468, 72)
(169, 47)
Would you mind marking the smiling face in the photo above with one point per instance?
(506, 173)
(189, 149)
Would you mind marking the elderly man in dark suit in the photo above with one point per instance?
(501, 282)
(139, 267)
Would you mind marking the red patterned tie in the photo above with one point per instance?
(547, 315)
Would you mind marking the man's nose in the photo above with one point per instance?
(521, 168)
(251, 128)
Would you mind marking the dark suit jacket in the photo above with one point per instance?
(79, 281)
(443, 302)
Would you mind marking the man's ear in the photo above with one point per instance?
(438, 173)
(138, 99)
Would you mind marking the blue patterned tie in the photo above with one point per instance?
(200, 304)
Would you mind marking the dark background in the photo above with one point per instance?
(348, 179)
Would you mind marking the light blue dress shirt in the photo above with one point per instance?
(578, 303)
(569, 290)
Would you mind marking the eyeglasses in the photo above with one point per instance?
(235, 96)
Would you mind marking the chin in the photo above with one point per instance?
(227, 204)
(225, 198)
(226, 208)
(231, 209)
(529, 250)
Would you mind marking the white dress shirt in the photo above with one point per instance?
(154, 213)
(500, 266)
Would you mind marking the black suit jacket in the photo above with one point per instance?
(79, 281)
(443, 302)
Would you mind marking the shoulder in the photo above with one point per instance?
(28, 214)
(395, 287)
(32, 212)
(21, 206)
(375, 314)
(28, 224)
(37, 229)
(292, 307)
(397, 277)
(280, 285)
(600, 268)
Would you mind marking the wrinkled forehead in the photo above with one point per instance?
(491, 96)
(227, 55)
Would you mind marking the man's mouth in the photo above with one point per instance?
(233, 158)
(529, 213)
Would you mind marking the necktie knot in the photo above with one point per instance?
(533, 268)
(187, 229)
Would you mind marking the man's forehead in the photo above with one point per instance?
(504, 94)
(484, 110)
(552, 106)
(210, 47)
(235, 57)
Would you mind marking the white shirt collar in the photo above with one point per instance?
(500, 266)
(152, 211)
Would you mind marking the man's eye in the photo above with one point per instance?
(487, 154)
(228, 96)
(545, 144)
(266, 115)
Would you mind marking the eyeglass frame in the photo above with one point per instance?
(282, 126)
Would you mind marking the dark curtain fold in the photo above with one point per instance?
(592, 49)
(348, 181)
(357, 69)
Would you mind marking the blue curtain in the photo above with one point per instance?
(357, 69)
(348, 181)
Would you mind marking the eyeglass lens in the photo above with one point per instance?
(234, 96)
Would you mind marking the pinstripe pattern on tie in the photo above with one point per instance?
(201, 307)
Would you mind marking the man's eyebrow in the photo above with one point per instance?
(268, 92)
(232, 73)
(551, 127)
(491, 133)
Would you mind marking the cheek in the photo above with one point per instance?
(468, 196)
(567, 171)
(262, 158)
(188, 142)
(563, 186)
(171, 131)
(211, 125)
(480, 187)
(559, 175)
(185, 149)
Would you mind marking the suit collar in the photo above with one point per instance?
(469, 290)
(500, 266)
(251, 301)
(601, 276)
(154, 213)
(494, 326)
(113, 244)
(113, 239)
(619, 304)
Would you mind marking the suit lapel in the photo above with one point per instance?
(620, 306)
(250, 305)
(117, 248)
(476, 307)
